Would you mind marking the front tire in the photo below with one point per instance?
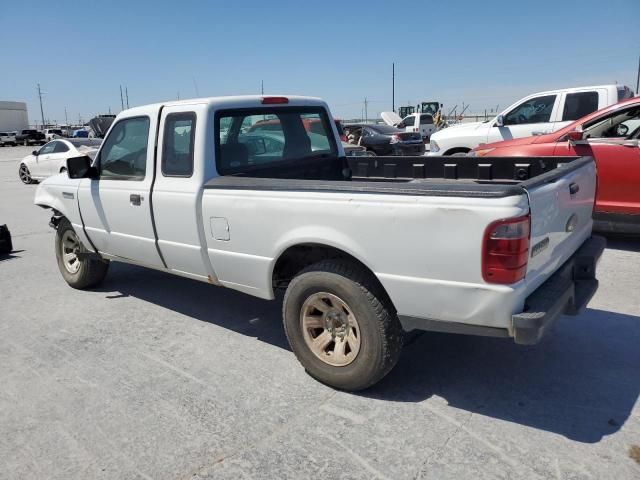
(341, 325)
(25, 174)
(80, 274)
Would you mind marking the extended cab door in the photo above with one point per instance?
(576, 105)
(177, 193)
(533, 115)
(115, 208)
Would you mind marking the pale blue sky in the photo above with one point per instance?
(481, 52)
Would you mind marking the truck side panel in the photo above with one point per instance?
(423, 249)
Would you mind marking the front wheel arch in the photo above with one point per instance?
(457, 150)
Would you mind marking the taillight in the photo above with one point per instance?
(505, 250)
(274, 100)
(395, 138)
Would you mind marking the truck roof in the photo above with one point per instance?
(235, 101)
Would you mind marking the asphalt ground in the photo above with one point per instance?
(156, 376)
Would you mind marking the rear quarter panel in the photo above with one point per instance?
(426, 251)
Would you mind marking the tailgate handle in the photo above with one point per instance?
(574, 188)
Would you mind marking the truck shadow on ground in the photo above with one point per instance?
(629, 243)
(582, 380)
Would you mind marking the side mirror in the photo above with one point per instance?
(500, 121)
(80, 167)
(576, 135)
(34, 153)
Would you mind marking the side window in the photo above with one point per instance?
(48, 148)
(409, 121)
(60, 148)
(124, 151)
(577, 105)
(426, 120)
(177, 144)
(535, 110)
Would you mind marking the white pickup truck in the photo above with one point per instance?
(542, 112)
(364, 248)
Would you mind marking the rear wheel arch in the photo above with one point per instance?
(297, 257)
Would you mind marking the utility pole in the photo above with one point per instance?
(41, 110)
(638, 78)
(261, 87)
(121, 99)
(195, 85)
(126, 91)
(66, 120)
(366, 111)
(393, 86)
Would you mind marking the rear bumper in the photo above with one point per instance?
(408, 149)
(567, 292)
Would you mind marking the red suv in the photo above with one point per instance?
(612, 137)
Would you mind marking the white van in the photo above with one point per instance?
(539, 113)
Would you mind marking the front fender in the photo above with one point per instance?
(60, 193)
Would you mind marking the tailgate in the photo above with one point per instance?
(561, 204)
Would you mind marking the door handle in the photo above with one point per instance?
(574, 188)
(135, 199)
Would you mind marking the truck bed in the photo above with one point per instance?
(485, 177)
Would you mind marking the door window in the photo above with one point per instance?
(48, 148)
(577, 105)
(622, 124)
(535, 110)
(409, 121)
(177, 144)
(124, 152)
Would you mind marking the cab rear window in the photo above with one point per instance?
(249, 139)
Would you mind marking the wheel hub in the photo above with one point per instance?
(330, 329)
(336, 323)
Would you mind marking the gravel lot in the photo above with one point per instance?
(155, 376)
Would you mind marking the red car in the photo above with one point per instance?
(612, 137)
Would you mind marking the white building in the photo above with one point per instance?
(13, 116)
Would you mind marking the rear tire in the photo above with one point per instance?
(341, 325)
(80, 274)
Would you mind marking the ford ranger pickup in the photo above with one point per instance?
(364, 248)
